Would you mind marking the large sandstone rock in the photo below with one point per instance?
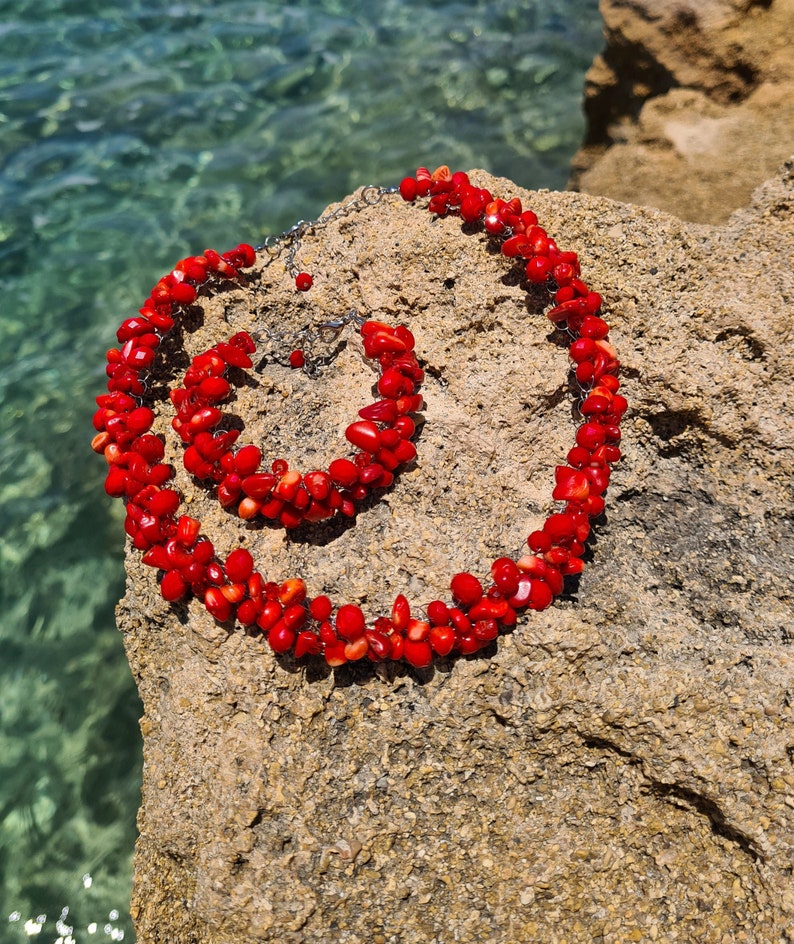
(691, 105)
(621, 766)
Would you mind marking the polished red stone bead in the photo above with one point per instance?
(466, 589)
(408, 189)
(183, 293)
(173, 586)
(303, 281)
(539, 269)
(540, 595)
(239, 565)
(281, 638)
(505, 575)
(343, 472)
(418, 654)
(350, 622)
(297, 359)
(217, 604)
(269, 615)
(320, 608)
(442, 639)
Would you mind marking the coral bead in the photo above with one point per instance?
(505, 575)
(217, 604)
(539, 269)
(318, 485)
(442, 640)
(343, 472)
(183, 293)
(320, 608)
(418, 654)
(247, 460)
(466, 589)
(438, 613)
(307, 644)
(408, 189)
(350, 622)
(303, 281)
(239, 565)
(173, 586)
(540, 595)
(281, 638)
(400, 613)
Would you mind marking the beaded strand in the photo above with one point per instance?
(233, 590)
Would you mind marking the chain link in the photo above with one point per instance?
(319, 344)
(289, 242)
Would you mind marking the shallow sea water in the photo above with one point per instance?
(132, 134)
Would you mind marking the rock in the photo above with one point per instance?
(691, 105)
(621, 766)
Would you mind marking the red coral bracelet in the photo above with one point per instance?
(232, 590)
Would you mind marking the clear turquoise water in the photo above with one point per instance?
(131, 134)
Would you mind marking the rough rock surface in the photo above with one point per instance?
(621, 766)
(691, 105)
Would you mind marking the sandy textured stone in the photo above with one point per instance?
(621, 766)
(691, 105)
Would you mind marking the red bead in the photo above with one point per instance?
(334, 653)
(259, 486)
(292, 591)
(539, 269)
(559, 527)
(343, 472)
(572, 485)
(320, 608)
(239, 565)
(164, 502)
(505, 575)
(486, 629)
(400, 613)
(303, 281)
(594, 327)
(466, 589)
(418, 654)
(540, 595)
(270, 615)
(590, 435)
(187, 531)
(350, 622)
(417, 630)
(582, 349)
(408, 189)
(438, 613)
(173, 586)
(281, 638)
(183, 293)
(247, 460)
(307, 643)
(217, 604)
(381, 411)
(297, 359)
(442, 640)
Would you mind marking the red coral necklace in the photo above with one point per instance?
(233, 590)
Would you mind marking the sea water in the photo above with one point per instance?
(131, 134)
